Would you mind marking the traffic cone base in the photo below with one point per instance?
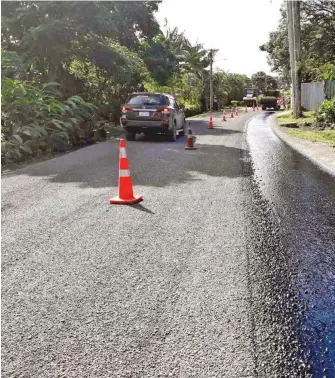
(119, 201)
(190, 139)
(210, 126)
(125, 194)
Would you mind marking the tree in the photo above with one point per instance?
(89, 48)
(186, 76)
(229, 86)
(50, 34)
(317, 39)
(271, 83)
(259, 80)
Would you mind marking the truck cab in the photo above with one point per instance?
(250, 96)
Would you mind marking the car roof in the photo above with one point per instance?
(151, 93)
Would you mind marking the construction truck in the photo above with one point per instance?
(250, 96)
(271, 99)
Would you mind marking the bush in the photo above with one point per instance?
(36, 120)
(191, 112)
(234, 103)
(327, 72)
(326, 111)
(287, 95)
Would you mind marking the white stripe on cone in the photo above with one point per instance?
(123, 153)
(124, 173)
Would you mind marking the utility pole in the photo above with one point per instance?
(291, 48)
(211, 95)
(293, 23)
(211, 81)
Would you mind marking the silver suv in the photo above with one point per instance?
(152, 113)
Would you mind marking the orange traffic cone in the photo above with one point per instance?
(126, 195)
(224, 116)
(211, 126)
(231, 114)
(246, 109)
(236, 112)
(190, 141)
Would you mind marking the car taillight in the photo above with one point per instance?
(163, 110)
(125, 109)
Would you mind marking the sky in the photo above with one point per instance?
(236, 27)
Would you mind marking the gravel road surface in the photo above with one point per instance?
(189, 283)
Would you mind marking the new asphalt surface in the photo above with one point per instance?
(195, 281)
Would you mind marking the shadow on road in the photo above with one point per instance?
(198, 127)
(151, 164)
(140, 207)
(216, 131)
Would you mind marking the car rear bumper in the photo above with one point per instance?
(141, 126)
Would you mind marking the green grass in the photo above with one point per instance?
(324, 136)
(288, 117)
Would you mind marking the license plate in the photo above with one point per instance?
(144, 114)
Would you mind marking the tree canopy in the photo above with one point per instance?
(264, 82)
(317, 39)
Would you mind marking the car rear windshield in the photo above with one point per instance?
(147, 100)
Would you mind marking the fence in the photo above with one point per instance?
(330, 89)
(313, 94)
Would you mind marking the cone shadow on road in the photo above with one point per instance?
(140, 207)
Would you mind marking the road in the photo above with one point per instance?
(207, 277)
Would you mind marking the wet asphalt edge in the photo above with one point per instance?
(275, 311)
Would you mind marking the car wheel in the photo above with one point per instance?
(263, 107)
(173, 135)
(182, 131)
(130, 135)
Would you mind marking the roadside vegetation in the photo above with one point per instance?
(314, 126)
(317, 64)
(68, 66)
(324, 136)
(307, 118)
